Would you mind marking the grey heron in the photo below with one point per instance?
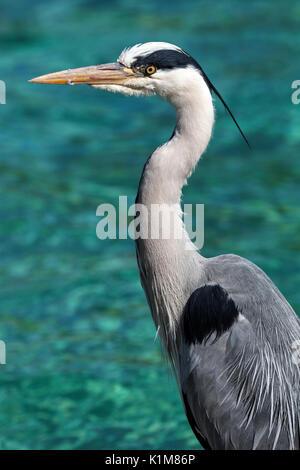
(228, 331)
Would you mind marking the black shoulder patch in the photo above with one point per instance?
(209, 310)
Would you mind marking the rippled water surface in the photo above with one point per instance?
(83, 370)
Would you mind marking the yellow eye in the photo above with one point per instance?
(150, 69)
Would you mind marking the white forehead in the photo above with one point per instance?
(131, 53)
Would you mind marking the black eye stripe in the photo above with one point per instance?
(165, 59)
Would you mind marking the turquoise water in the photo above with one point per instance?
(83, 370)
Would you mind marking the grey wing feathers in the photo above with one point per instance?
(241, 386)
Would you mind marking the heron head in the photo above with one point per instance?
(146, 69)
(142, 70)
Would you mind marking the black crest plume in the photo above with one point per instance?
(213, 88)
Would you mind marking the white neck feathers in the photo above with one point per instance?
(166, 262)
(171, 164)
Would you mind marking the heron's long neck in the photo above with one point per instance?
(167, 169)
(166, 264)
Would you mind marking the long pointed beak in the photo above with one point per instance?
(105, 74)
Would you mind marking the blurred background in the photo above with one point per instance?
(83, 370)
